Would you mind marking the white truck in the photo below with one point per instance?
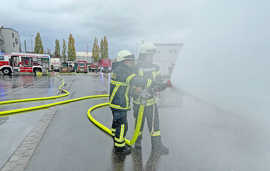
(166, 56)
(55, 64)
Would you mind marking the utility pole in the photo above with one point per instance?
(32, 35)
(87, 51)
(25, 49)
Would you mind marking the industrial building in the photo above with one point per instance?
(84, 56)
(9, 40)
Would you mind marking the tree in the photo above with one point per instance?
(95, 50)
(101, 49)
(64, 49)
(38, 44)
(105, 48)
(57, 49)
(71, 48)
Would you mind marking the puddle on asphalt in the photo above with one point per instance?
(152, 163)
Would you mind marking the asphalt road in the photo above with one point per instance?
(14, 129)
(200, 136)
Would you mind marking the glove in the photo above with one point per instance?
(145, 94)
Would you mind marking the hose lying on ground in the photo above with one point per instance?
(90, 117)
(108, 131)
(17, 111)
(60, 88)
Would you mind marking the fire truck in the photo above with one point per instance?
(81, 66)
(105, 65)
(24, 63)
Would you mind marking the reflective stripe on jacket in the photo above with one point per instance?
(120, 87)
(150, 76)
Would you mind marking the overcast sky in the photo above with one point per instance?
(125, 23)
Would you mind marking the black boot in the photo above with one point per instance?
(137, 159)
(126, 150)
(158, 146)
(152, 161)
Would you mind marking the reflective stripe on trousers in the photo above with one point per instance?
(148, 115)
(119, 127)
(120, 142)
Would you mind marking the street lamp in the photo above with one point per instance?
(32, 35)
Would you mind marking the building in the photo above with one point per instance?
(85, 56)
(166, 56)
(9, 40)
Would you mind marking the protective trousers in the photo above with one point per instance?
(119, 127)
(152, 122)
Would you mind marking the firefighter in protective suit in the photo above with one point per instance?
(122, 75)
(149, 74)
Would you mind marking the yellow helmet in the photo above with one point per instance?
(124, 55)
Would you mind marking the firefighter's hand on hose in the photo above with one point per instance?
(160, 86)
(145, 94)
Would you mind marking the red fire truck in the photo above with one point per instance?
(105, 65)
(24, 62)
(81, 66)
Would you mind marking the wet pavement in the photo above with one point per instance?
(200, 136)
(13, 129)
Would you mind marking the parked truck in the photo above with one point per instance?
(24, 63)
(55, 64)
(81, 66)
(67, 66)
(93, 67)
(105, 65)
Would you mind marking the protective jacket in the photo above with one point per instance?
(150, 81)
(120, 86)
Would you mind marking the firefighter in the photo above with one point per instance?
(147, 98)
(122, 74)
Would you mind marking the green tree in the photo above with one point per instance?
(95, 50)
(105, 48)
(64, 49)
(38, 44)
(101, 48)
(71, 48)
(57, 49)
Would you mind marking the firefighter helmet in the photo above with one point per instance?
(124, 55)
(148, 48)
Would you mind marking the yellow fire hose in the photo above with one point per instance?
(16, 111)
(91, 118)
(66, 93)
(108, 131)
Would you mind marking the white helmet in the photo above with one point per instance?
(124, 55)
(148, 48)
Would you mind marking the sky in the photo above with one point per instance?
(125, 23)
